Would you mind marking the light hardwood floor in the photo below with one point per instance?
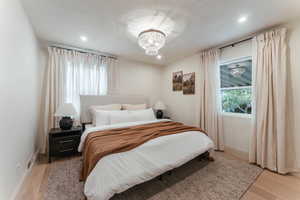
(268, 186)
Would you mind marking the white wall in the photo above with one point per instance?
(183, 108)
(20, 81)
(240, 50)
(140, 79)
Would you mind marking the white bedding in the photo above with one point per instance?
(116, 173)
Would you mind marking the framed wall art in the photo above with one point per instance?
(188, 83)
(177, 81)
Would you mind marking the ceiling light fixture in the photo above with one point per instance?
(242, 19)
(83, 38)
(152, 41)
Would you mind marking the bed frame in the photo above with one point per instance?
(202, 157)
(88, 100)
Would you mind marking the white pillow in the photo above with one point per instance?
(101, 117)
(105, 117)
(134, 106)
(131, 116)
(108, 107)
(143, 115)
(121, 117)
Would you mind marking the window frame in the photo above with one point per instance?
(233, 114)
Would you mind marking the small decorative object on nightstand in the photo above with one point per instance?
(66, 111)
(159, 107)
(64, 142)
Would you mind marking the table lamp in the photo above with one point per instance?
(159, 107)
(66, 111)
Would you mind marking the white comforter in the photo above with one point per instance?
(116, 173)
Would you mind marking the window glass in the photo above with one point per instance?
(236, 86)
(236, 74)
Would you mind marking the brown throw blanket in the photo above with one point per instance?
(101, 143)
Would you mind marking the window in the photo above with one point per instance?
(236, 86)
(84, 78)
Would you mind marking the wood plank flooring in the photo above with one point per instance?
(32, 186)
(272, 186)
(269, 185)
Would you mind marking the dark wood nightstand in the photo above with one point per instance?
(64, 142)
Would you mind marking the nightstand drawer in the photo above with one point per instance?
(64, 145)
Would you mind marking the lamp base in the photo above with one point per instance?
(159, 114)
(66, 123)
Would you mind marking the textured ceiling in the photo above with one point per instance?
(192, 25)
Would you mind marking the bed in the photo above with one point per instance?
(117, 172)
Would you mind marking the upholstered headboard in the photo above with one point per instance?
(88, 100)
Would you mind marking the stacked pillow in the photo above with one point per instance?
(112, 114)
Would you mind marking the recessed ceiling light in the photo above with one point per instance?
(83, 38)
(159, 57)
(242, 19)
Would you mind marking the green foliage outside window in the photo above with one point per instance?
(237, 100)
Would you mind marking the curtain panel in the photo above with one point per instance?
(268, 146)
(210, 102)
(71, 74)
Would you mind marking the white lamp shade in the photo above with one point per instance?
(66, 110)
(159, 106)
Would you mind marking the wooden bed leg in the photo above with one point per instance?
(210, 158)
(206, 156)
(160, 178)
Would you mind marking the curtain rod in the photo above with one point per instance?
(235, 43)
(81, 50)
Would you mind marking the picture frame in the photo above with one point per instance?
(177, 80)
(188, 83)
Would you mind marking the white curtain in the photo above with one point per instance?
(268, 140)
(210, 105)
(70, 74)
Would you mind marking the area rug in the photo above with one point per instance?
(224, 179)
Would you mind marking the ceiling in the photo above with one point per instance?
(112, 25)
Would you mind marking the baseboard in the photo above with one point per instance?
(32, 160)
(237, 153)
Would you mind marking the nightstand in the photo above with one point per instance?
(64, 142)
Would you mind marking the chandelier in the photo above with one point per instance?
(236, 70)
(152, 40)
